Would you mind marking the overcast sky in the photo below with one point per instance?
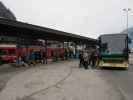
(85, 17)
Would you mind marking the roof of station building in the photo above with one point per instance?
(21, 29)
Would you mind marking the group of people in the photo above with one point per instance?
(69, 53)
(88, 58)
(31, 58)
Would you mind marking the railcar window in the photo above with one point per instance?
(0, 52)
(4, 52)
(11, 51)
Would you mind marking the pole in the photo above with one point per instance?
(46, 55)
(127, 21)
(127, 10)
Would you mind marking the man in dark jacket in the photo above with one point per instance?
(93, 58)
(81, 59)
(85, 59)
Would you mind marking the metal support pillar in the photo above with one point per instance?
(76, 51)
(63, 45)
(46, 51)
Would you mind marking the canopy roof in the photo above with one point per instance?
(25, 30)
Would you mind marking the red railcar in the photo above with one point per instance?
(9, 53)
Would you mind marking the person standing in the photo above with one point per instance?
(19, 61)
(44, 57)
(85, 59)
(93, 58)
(81, 59)
(89, 57)
(32, 58)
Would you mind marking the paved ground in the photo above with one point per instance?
(122, 81)
(65, 81)
(7, 72)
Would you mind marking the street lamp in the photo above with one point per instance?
(127, 10)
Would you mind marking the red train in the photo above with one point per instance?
(9, 53)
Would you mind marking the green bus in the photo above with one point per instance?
(113, 50)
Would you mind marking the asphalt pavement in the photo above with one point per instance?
(65, 81)
(121, 80)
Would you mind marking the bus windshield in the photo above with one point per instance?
(113, 43)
